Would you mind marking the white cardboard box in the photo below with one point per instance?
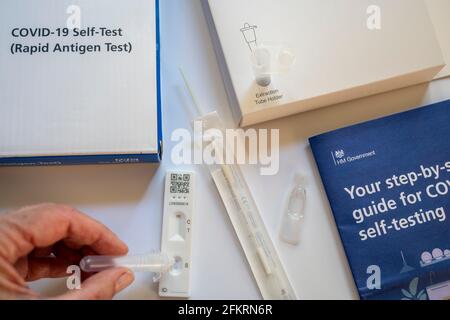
(87, 95)
(440, 15)
(338, 58)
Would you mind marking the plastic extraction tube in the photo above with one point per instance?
(154, 263)
(258, 247)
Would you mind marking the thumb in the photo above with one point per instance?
(102, 286)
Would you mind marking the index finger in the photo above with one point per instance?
(44, 225)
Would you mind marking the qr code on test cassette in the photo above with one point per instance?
(179, 183)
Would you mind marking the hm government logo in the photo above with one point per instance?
(342, 157)
(339, 154)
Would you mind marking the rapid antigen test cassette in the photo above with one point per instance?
(173, 264)
(176, 242)
(79, 82)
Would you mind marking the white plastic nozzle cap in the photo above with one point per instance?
(286, 59)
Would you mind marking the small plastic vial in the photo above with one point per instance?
(294, 216)
(154, 263)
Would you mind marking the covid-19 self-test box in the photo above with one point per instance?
(79, 82)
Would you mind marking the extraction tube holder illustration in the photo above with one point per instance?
(249, 33)
(267, 59)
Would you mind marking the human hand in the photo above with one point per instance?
(42, 241)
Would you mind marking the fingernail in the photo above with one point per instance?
(124, 281)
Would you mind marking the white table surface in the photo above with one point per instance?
(128, 199)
